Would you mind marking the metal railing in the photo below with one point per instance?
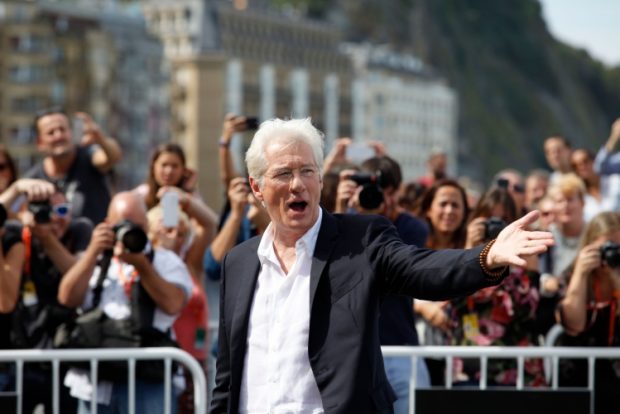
(131, 355)
(483, 354)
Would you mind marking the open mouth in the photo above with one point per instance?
(298, 206)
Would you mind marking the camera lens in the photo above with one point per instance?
(134, 239)
(493, 226)
(41, 210)
(370, 197)
(610, 254)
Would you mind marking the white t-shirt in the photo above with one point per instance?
(114, 300)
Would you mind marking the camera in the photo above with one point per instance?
(3, 215)
(131, 235)
(492, 227)
(251, 123)
(610, 254)
(41, 210)
(371, 195)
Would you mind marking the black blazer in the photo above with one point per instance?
(357, 260)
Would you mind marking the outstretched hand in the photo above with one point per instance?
(515, 243)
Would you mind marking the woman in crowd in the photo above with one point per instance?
(589, 310)
(168, 172)
(444, 207)
(602, 192)
(567, 194)
(499, 315)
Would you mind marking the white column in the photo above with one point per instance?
(331, 94)
(267, 82)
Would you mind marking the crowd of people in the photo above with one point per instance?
(84, 266)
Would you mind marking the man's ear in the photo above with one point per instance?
(256, 189)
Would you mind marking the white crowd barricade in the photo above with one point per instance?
(95, 356)
(484, 353)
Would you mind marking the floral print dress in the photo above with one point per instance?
(501, 315)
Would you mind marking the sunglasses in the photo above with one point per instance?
(61, 210)
(504, 183)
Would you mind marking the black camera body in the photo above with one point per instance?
(492, 227)
(610, 254)
(3, 215)
(41, 210)
(371, 195)
(132, 236)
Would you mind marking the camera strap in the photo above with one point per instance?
(104, 265)
(27, 239)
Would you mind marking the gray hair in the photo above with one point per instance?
(290, 131)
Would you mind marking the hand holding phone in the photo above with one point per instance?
(170, 209)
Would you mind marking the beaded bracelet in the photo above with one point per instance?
(483, 263)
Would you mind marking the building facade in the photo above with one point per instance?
(250, 61)
(65, 54)
(400, 102)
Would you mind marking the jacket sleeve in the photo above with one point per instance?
(220, 398)
(606, 163)
(422, 273)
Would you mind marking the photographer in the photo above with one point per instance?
(500, 315)
(78, 165)
(11, 262)
(52, 243)
(138, 296)
(589, 310)
(375, 190)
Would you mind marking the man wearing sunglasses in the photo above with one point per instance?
(53, 241)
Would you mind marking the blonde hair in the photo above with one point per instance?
(568, 185)
(154, 217)
(601, 224)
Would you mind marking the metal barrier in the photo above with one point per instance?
(486, 353)
(131, 355)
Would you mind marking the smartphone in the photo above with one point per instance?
(251, 122)
(170, 209)
(77, 128)
(358, 152)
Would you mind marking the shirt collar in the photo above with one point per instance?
(307, 241)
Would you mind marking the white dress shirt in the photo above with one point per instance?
(277, 377)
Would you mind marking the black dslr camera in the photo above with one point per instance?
(3, 215)
(371, 195)
(492, 227)
(610, 254)
(41, 210)
(132, 236)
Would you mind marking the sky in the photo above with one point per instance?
(590, 24)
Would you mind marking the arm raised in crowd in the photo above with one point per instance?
(238, 192)
(606, 162)
(109, 152)
(573, 307)
(204, 228)
(34, 189)
(232, 124)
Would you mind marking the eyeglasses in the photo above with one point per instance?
(61, 210)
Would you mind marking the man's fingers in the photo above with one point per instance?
(528, 219)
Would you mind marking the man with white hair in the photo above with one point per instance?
(300, 304)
